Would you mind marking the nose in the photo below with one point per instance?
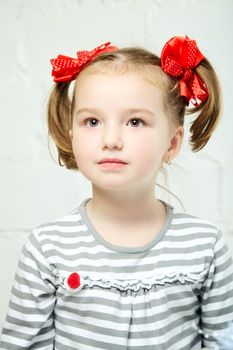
(112, 137)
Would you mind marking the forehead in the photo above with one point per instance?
(115, 88)
(150, 73)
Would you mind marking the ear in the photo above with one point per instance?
(175, 143)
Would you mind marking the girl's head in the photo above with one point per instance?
(129, 78)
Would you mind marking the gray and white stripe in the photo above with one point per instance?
(175, 293)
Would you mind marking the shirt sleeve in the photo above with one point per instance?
(29, 321)
(217, 299)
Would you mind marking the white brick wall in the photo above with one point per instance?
(33, 189)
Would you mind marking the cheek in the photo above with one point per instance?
(151, 145)
(149, 154)
(84, 147)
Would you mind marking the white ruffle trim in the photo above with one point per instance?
(146, 283)
(134, 284)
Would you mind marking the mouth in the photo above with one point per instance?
(112, 163)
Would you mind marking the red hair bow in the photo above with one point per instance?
(66, 68)
(179, 57)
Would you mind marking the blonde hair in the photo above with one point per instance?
(60, 105)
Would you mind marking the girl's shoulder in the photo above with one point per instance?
(189, 218)
(190, 226)
(66, 224)
(184, 219)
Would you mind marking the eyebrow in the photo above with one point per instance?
(128, 110)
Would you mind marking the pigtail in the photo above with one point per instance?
(59, 124)
(210, 110)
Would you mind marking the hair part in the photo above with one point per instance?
(141, 61)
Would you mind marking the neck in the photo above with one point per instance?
(124, 207)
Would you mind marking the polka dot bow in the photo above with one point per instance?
(179, 57)
(66, 68)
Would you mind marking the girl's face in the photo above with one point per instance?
(121, 117)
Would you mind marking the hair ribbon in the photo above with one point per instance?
(179, 58)
(66, 68)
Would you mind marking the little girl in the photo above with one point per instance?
(125, 270)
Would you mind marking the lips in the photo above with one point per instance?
(112, 164)
(112, 160)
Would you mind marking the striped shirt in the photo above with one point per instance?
(174, 293)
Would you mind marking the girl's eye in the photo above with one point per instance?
(136, 122)
(91, 122)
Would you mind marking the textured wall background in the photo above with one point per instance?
(33, 188)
